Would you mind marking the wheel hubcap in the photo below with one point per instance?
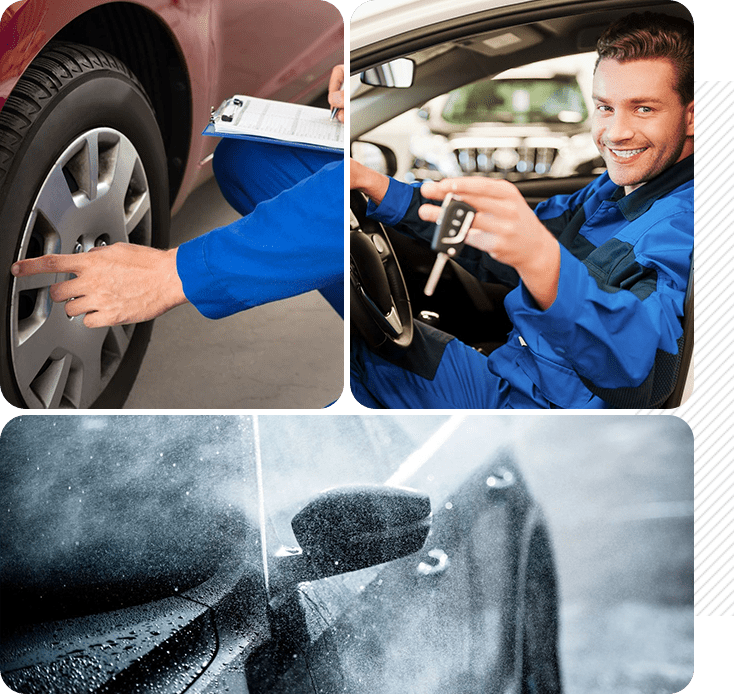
(95, 194)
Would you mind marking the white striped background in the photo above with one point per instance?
(709, 410)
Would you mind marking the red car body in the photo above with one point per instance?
(189, 55)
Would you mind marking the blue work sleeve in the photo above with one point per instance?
(288, 245)
(399, 210)
(611, 326)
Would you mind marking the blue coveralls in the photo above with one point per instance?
(624, 270)
(290, 239)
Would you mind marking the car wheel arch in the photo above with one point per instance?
(156, 60)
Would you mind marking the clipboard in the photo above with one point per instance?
(276, 122)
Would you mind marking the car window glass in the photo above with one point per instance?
(556, 99)
(526, 123)
(106, 512)
(302, 456)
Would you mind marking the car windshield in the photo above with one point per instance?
(518, 101)
(101, 513)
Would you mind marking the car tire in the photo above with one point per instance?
(82, 163)
(540, 667)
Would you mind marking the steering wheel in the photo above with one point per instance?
(379, 302)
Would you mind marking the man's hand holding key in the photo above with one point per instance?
(454, 221)
(505, 227)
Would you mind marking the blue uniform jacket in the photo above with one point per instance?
(624, 270)
(287, 245)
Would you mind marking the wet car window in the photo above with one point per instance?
(101, 513)
(302, 456)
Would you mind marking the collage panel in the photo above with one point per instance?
(173, 184)
(123, 201)
(274, 553)
(522, 203)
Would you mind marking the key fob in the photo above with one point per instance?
(454, 221)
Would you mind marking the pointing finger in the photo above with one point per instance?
(47, 264)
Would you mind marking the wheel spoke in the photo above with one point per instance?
(24, 284)
(118, 339)
(49, 386)
(35, 350)
(88, 347)
(55, 200)
(39, 355)
(86, 165)
(137, 212)
(126, 161)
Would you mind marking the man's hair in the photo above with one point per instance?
(652, 35)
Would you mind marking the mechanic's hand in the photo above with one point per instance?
(114, 285)
(506, 228)
(336, 91)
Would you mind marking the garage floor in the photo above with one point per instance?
(288, 354)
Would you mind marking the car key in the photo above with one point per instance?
(454, 221)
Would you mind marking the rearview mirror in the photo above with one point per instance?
(397, 73)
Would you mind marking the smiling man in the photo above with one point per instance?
(643, 122)
(599, 276)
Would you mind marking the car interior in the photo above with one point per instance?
(447, 57)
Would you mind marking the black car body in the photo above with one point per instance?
(160, 554)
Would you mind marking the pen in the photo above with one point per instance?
(335, 109)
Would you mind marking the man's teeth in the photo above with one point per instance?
(626, 153)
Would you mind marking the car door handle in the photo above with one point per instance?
(435, 563)
(500, 479)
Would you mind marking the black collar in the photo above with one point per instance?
(641, 200)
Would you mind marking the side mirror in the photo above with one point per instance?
(397, 74)
(350, 528)
(377, 157)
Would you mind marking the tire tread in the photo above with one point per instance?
(51, 78)
(58, 64)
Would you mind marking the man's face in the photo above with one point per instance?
(639, 125)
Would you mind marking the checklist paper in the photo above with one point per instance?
(262, 119)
